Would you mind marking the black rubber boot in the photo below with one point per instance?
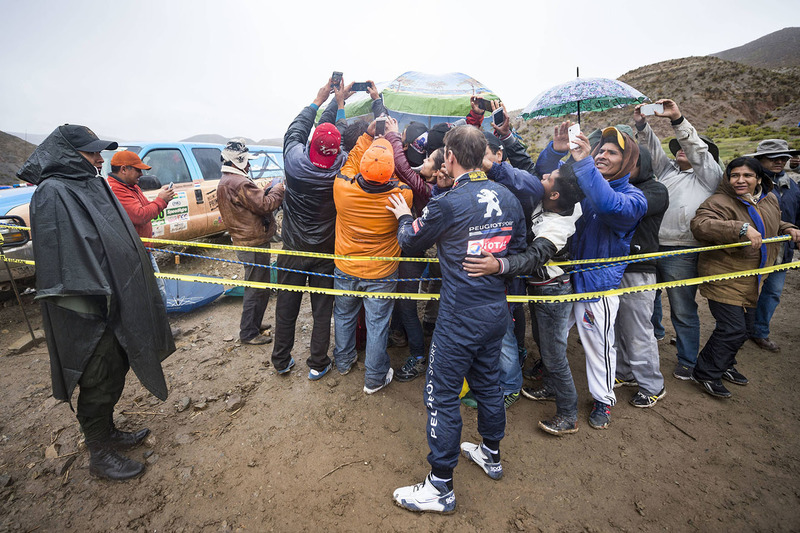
(125, 440)
(106, 463)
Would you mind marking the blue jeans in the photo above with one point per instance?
(160, 282)
(378, 314)
(768, 301)
(658, 328)
(407, 309)
(510, 371)
(552, 321)
(682, 302)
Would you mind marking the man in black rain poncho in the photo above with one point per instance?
(101, 308)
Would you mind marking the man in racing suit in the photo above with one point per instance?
(476, 215)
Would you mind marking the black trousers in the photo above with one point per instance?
(101, 387)
(254, 303)
(287, 307)
(730, 332)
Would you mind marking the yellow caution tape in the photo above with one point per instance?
(20, 261)
(424, 296)
(278, 251)
(656, 255)
(643, 288)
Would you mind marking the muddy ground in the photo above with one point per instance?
(300, 455)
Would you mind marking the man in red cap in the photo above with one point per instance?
(364, 227)
(309, 222)
(126, 169)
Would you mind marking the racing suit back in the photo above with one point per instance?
(476, 214)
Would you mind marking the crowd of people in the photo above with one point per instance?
(499, 223)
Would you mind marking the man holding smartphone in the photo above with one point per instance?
(126, 169)
(309, 223)
(690, 178)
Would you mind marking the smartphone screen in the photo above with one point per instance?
(498, 116)
(336, 78)
(651, 109)
(573, 132)
(486, 105)
(360, 86)
(380, 127)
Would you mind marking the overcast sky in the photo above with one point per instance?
(169, 69)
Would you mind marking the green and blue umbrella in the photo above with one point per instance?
(582, 94)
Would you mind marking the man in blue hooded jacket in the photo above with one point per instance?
(611, 211)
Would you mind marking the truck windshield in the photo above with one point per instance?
(266, 165)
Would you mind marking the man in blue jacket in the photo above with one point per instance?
(476, 215)
(309, 224)
(773, 155)
(611, 211)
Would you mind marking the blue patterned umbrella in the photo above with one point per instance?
(582, 94)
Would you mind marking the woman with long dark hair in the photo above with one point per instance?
(741, 210)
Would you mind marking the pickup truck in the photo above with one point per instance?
(192, 168)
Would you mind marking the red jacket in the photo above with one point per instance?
(140, 210)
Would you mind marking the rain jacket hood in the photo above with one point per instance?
(56, 157)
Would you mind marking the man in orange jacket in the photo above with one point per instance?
(365, 227)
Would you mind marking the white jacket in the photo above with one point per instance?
(688, 188)
(556, 229)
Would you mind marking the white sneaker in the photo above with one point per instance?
(426, 496)
(478, 454)
(388, 380)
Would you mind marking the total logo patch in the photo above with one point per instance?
(491, 245)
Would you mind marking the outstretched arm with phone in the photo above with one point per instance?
(646, 135)
(297, 133)
(378, 108)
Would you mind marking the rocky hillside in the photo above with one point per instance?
(776, 50)
(710, 91)
(13, 152)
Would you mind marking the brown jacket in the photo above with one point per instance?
(247, 209)
(718, 221)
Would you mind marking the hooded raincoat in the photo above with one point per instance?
(85, 246)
